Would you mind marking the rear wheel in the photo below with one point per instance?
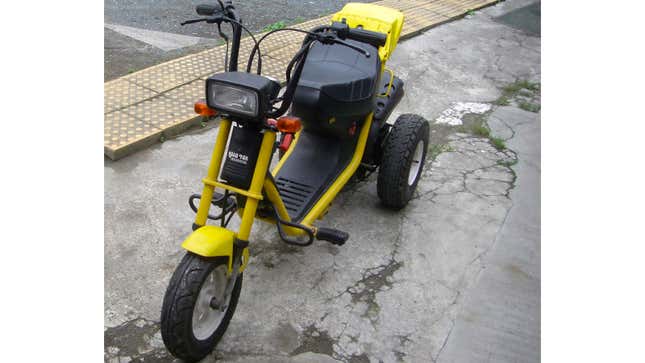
(196, 308)
(404, 154)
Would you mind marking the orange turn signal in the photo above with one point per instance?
(289, 124)
(202, 108)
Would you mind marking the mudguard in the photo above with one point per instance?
(213, 241)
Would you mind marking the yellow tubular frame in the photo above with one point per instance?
(217, 241)
(257, 183)
(286, 155)
(213, 171)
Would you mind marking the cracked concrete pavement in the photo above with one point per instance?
(454, 277)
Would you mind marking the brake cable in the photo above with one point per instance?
(217, 20)
(323, 38)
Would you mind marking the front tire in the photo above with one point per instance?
(195, 311)
(404, 154)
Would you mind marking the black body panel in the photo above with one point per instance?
(312, 167)
(241, 155)
(337, 87)
(385, 104)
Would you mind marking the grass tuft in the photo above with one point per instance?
(435, 149)
(503, 101)
(516, 86)
(507, 163)
(528, 106)
(275, 26)
(498, 143)
(480, 130)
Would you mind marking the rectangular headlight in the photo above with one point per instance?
(236, 100)
(241, 95)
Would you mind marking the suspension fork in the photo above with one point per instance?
(257, 184)
(253, 194)
(213, 172)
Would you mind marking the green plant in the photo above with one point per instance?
(503, 101)
(470, 12)
(275, 26)
(435, 149)
(507, 163)
(480, 130)
(498, 143)
(516, 86)
(528, 106)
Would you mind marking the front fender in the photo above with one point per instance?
(211, 241)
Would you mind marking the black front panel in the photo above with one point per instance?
(241, 156)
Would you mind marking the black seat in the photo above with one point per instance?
(337, 82)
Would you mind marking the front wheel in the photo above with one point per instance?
(196, 308)
(404, 154)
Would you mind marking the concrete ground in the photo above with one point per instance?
(454, 277)
(141, 33)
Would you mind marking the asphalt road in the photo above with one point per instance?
(454, 277)
(124, 54)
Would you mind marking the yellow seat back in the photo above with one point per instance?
(375, 18)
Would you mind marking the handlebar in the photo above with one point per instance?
(361, 35)
(367, 36)
(208, 10)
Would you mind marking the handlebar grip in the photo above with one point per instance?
(207, 9)
(367, 36)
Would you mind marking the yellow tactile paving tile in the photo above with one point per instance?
(466, 5)
(169, 75)
(156, 101)
(419, 19)
(164, 113)
(122, 133)
(309, 24)
(120, 93)
(402, 5)
(284, 54)
(189, 93)
(453, 8)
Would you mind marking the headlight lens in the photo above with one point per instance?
(233, 99)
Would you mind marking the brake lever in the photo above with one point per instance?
(193, 21)
(221, 34)
(328, 39)
(217, 19)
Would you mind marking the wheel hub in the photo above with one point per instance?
(217, 305)
(415, 165)
(211, 304)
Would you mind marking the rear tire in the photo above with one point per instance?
(186, 335)
(404, 154)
